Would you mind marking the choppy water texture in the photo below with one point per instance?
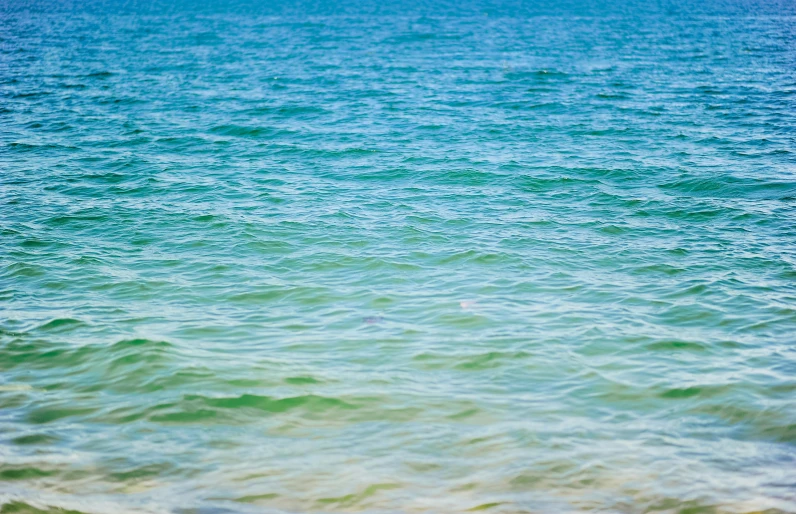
(262, 262)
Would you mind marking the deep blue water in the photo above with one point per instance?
(412, 258)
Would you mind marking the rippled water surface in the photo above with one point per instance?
(518, 262)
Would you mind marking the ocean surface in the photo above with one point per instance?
(319, 258)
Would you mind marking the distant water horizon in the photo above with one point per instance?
(324, 257)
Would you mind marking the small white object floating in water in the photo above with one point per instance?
(468, 304)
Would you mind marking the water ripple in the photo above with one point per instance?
(459, 258)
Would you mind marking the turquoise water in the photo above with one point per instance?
(262, 261)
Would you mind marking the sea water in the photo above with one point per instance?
(420, 258)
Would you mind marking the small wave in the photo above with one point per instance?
(21, 507)
(35, 440)
(413, 37)
(49, 414)
(613, 96)
(544, 184)
(662, 268)
(61, 325)
(528, 105)
(42, 354)
(351, 500)
(543, 75)
(474, 362)
(242, 131)
(674, 345)
(12, 473)
(198, 408)
(19, 269)
(100, 74)
(31, 94)
(728, 186)
(256, 498)
(30, 147)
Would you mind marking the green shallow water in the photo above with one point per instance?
(274, 260)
